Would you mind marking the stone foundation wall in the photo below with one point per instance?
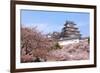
(66, 42)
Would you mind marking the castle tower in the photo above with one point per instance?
(70, 31)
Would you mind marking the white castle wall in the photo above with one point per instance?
(66, 42)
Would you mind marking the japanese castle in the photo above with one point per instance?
(69, 34)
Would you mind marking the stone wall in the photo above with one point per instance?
(66, 42)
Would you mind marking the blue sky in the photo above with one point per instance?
(49, 21)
